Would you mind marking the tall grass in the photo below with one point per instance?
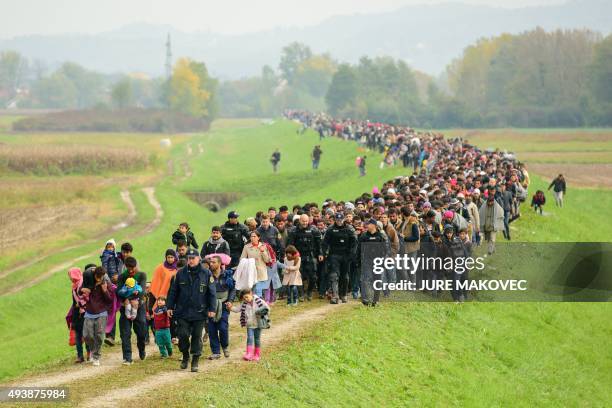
(57, 160)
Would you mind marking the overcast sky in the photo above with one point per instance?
(19, 17)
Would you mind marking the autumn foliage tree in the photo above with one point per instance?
(191, 89)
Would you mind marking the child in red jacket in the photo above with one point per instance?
(538, 201)
(161, 322)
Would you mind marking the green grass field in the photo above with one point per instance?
(426, 354)
(420, 353)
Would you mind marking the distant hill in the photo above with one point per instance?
(426, 36)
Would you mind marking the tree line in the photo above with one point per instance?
(190, 90)
(532, 79)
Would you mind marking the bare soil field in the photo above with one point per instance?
(579, 175)
(35, 223)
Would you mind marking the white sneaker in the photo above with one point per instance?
(96, 362)
(126, 362)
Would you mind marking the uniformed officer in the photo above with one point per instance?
(307, 239)
(339, 244)
(236, 235)
(372, 235)
(191, 299)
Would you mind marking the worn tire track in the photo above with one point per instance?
(125, 197)
(276, 334)
(149, 192)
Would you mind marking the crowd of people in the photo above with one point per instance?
(456, 197)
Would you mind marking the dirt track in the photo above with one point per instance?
(111, 360)
(149, 192)
(579, 175)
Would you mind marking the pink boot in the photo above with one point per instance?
(248, 356)
(257, 354)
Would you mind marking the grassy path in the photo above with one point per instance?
(150, 194)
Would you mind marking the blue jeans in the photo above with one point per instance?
(218, 333)
(253, 337)
(292, 294)
(259, 288)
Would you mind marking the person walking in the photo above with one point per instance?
(126, 323)
(218, 326)
(340, 244)
(491, 221)
(215, 244)
(258, 251)
(372, 235)
(275, 160)
(191, 299)
(236, 234)
(96, 287)
(362, 166)
(559, 189)
(306, 239)
(315, 156)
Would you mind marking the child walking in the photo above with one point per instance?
(254, 316)
(538, 200)
(130, 292)
(292, 277)
(161, 322)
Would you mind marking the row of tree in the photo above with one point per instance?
(533, 79)
(190, 89)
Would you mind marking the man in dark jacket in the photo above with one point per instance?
(506, 203)
(559, 189)
(307, 239)
(218, 327)
(271, 236)
(275, 159)
(372, 235)
(215, 244)
(236, 234)
(455, 248)
(339, 244)
(316, 157)
(191, 299)
(139, 325)
(96, 284)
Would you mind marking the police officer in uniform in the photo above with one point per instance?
(340, 244)
(236, 234)
(191, 299)
(372, 234)
(307, 239)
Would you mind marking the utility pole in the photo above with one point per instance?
(168, 58)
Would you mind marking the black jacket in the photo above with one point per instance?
(559, 185)
(219, 248)
(367, 238)
(192, 294)
(189, 238)
(235, 235)
(306, 240)
(340, 241)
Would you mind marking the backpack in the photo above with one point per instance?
(358, 161)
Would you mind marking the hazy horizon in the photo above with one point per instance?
(76, 16)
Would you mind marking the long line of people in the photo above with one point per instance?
(457, 196)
